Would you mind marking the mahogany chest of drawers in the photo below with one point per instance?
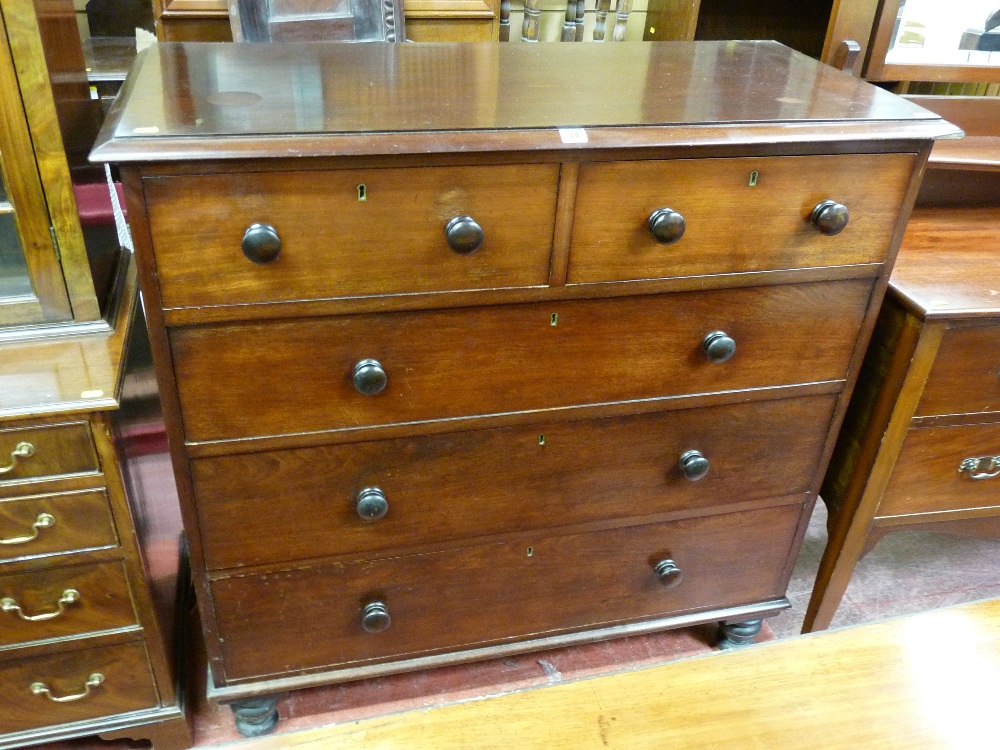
(463, 359)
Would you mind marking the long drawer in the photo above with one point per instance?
(350, 232)
(397, 493)
(273, 378)
(965, 377)
(937, 469)
(283, 622)
(739, 214)
(107, 680)
(64, 601)
(46, 524)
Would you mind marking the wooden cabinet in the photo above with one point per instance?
(921, 444)
(511, 370)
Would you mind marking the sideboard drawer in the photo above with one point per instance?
(965, 377)
(67, 601)
(283, 622)
(935, 469)
(488, 360)
(46, 524)
(332, 244)
(31, 453)
(439, 488)
(732, 225)
(108, 679)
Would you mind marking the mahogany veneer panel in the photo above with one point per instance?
(311, 616)
(58, 450)
(82, 520)
(731, 225)
(966, 373)
(466, 362)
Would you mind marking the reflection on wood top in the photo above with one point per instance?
(71, 374)
(923, 682)
(319, 99)
(949, 263)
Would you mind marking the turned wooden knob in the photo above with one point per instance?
(830, 217)
(694, 465)
(369, 377)
(375, 617)
(464, 235)
(261, 243)
(669, 574)
(718, 346)
(372, 504)
(666, 225)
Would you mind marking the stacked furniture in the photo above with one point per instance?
(461, 360)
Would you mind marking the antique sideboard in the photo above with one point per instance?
(460, 358)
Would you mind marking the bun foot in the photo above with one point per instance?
(256, 716)
(737, 634)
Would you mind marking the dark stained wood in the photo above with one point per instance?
(335, 245)
(433, 605)
(128, 686)
(104, 602)
(449, 364)
(966, 373)
(444, 488)
(62, 449)
(82, 521)
(731, 225)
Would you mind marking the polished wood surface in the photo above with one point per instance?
(896, 684)
(586, 471)
(965, 374)
(627, 87)
(334, 244)
(732, 225)
(103, 603)
(468, 597)
(58, 450)
(127, 686)
(82, 521)
(444, 364)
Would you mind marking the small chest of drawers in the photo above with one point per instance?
(461, 359)
(920, 447)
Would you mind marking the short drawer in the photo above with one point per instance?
(936, 470)
(312, 617)
(98, 681)
(46, 524)
(965, 377)
(32, 453)
(66, 601)
(739, 214)
(294, 376)
(326, 501)
(334, 244)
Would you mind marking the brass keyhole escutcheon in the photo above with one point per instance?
(753, 178)
(362, 193)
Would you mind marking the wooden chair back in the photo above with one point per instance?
(572, 30)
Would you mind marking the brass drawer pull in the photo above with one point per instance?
(40, 688)
(44, 521)
(69, 596)
(21, 450)
(669, 573)
(973, 467)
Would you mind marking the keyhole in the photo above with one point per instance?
(541, 439)
(363, 192)
(531, 551)
(753, 178)
(554, 319)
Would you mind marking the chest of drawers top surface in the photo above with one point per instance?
(241, 101)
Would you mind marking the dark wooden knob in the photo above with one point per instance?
(261, 243)
(718, 347)
(830, 217)
(669, 574)
(666, 225)
(464, 235)
(375, 617)
(372, 504)
(369, 377)
(694, 465)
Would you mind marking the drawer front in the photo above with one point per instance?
(308, 502)
(934, 471)
(32, 453)
(284, 377)
(731, 226)
(60, 602)
(120, 679)
(965, 377)
(499, 592)
(334, 245)
(47, 524)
